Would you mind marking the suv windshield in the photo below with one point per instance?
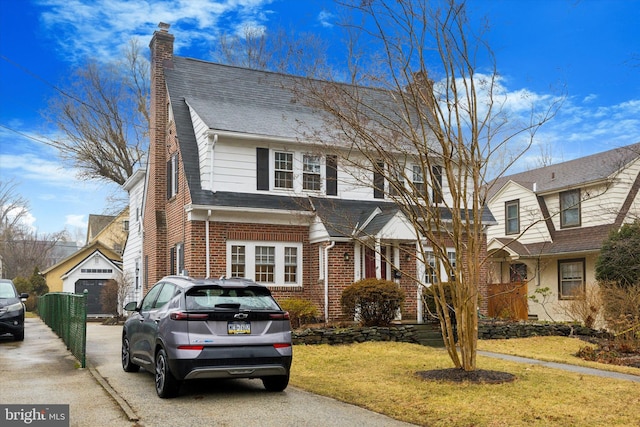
(216, 297)
(6, 290)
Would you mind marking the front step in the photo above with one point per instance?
(429, 334)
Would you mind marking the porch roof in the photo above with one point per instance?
(574, 240)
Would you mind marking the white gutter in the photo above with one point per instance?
(208, 249)
(326, 281)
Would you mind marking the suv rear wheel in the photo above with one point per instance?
(277, 383)
(166, 383)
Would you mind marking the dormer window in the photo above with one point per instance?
(570, 209)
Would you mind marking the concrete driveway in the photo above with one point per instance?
(41, 370)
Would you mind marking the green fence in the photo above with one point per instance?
(66, 315)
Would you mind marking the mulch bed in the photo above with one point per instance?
(457, 375)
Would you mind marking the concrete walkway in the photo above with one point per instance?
(563, 366)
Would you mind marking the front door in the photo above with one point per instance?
(370, 264)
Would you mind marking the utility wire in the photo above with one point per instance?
(50, 144)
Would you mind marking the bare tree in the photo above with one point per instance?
(103, 116)
(423, 124)
(21, 248)
(13, 207)
(279, 51)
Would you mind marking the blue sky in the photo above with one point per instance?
(589, 48)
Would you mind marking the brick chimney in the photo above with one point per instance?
(155, 254)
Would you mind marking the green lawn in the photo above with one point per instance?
(381, 377)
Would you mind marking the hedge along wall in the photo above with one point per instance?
(409, 333)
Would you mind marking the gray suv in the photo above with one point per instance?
(188, 328)
(11, 310)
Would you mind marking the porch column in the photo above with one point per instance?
(378, 256)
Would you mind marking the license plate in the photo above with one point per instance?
(238, 328)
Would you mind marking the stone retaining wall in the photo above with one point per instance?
(333, 336)
(408, 333)
(489, 330)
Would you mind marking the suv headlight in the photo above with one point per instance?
(14, 307)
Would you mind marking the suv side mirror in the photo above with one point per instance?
(24, 296)
(131, 306)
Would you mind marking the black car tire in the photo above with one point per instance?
(19, 336)
(166, 383)
(127, 364)
(277, 383)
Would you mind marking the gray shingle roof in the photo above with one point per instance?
(574, 240)
(573, 172)
(257, 102)
(241, 100)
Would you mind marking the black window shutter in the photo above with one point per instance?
(332, 175)
(262, 168)
(172, 260)
(378, 182)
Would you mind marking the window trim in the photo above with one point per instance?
(316, 174)
(279, 269)
(506, 216)
(577, 206)
(561, 262)
(289, 172)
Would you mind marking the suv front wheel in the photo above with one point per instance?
(166, 383)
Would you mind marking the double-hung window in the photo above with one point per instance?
(431, 274)
(265, 264)
(238, 261)
(451, 257)
(571, 274)
(512, 217)
(283, 170)
(290, 264)
(418, 181)
(311, 172)
(570, 209)
(172, 176)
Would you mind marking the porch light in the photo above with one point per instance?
(346, 256)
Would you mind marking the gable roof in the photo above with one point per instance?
(572, 173)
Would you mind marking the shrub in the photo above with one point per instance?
(622, 310)
(585, 307)
(428, 298)
(376, 302)
(300, 310)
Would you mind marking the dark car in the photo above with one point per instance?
(11, 310)
(188, 328)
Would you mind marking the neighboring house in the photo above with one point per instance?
(132, 256)
(234, 189)
(94, 264)
(553, 221)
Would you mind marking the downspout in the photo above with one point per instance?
(206, 240)
(326, 281)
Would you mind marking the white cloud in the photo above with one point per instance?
(100, 28)
(326, 19)
(78, 221)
